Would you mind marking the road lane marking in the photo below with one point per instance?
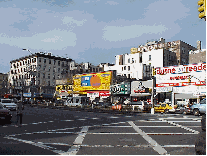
(76, 144)
(38, 144)
(178, 146)
(180, 126)
(152, 142)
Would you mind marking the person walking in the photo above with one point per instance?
(19, 114)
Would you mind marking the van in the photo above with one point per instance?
(141, 105)
(77, 101)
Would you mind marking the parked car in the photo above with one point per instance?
(5, 113)
(200, 143)
(103, 104)
(141, 105)
(199, 108)
(7, 103)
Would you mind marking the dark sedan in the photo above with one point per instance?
(5, 113)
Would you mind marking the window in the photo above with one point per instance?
(44, 60)
(34, 60)
(150, 58)
(48, 76)
(128, 75)
(43, 75)
(49, 61)
(124, 67)
(39, 59)
(58, 70)
(128, 68)
(129, 60)
(132, 60)
(54, 62)
(48, 83)
(140, 59)
(58, 63)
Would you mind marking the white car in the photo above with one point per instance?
(7, 103)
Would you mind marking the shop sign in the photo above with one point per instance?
(180, 76)
(140, 88)
(163, 89)
(123, 88)
(181, 69)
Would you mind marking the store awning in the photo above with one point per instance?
(185, 96)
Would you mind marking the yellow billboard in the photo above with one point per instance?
(92, 81)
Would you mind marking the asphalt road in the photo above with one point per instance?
(47, 131)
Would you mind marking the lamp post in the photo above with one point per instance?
(32, 79)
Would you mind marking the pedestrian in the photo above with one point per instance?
(19, 114)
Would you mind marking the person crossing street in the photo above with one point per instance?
(19, 114)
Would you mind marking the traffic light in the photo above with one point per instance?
(153, 71)
(189, 79)
(202, 8)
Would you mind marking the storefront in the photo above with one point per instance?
(184, 82)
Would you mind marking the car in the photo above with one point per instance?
(5, 113)
(103, 104)
(199, 108)
(164, 108)
(140, 105)
(7, 103)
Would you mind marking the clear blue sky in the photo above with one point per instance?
(93, 30)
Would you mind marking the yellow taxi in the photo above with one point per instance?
(164, 107)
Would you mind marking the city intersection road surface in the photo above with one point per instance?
(47, 131)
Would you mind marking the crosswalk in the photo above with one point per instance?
(82, 131)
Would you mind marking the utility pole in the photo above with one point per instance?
(153, 90)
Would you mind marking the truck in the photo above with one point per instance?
(77, 101)
(7, 103)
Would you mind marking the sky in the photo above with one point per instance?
(93, 30)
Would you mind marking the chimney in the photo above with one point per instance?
(198, 45)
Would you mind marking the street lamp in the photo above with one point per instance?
(32, 79)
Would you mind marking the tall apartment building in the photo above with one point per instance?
(138, 64)
(41, 70)
(3, 84)
(181, 49)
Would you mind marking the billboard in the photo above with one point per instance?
(182, 75)
(141, 88)
(92, 82)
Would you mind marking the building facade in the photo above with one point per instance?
(181, 49)
(138, 65)
(39, 70)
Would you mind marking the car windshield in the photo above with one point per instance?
(6, 101)
(203, 101)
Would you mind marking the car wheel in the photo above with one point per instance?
(196, 112)
(184, 112)
(166, 111)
